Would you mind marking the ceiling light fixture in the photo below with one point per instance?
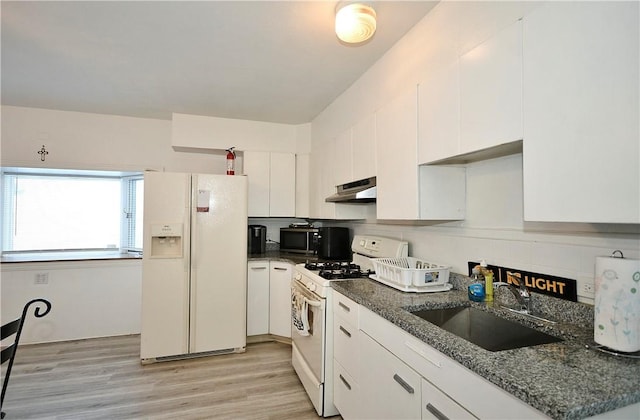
(355, 22)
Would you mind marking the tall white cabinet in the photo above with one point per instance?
(491, 91)
(363, 148)
(397, 133)
(439, 114)
(581, 151)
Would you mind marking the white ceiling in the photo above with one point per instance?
(277, 61)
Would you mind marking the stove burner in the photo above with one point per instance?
(337, 270)
(331, 265)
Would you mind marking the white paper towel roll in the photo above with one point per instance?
(617, 304)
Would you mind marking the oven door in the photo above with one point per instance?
(308, 342)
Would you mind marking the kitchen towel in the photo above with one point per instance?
(617, 304)
(299, 309)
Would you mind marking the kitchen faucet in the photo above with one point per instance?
(521, 294)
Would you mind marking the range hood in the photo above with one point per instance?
(363, 191)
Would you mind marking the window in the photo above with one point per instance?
(54, 210)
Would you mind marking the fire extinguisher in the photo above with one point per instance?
(231, 161)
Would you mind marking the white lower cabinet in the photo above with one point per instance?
(437, 405)
(280, 298)
(257, 298)
(476, 395)
(383, 372)
(389, 389)
(346, 392)
(346, 357)
(269, 298)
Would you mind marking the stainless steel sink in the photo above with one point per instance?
(485, 329)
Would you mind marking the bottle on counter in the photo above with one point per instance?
(488, 286)
(488, 281)
(476, 289)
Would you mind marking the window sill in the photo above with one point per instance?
(29, 257)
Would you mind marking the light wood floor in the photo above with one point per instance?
(103, 379)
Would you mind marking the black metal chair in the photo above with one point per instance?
(15, 328)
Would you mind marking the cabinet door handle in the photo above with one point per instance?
(437, 413)
(347, 333)
(258, 268)
(403, 383)
(344, 381)
(279, 268)
(345, 307)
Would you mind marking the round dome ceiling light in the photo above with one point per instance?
(355, 23)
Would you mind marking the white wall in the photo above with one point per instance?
(494, 227)
(93, 141)
(88, 298)
(93, 299)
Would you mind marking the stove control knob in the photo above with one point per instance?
(311, 286)
(298, 276)
(362, 242)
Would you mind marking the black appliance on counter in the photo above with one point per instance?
(257, 239)
(334, 243)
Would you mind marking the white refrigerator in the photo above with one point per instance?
(194, 265)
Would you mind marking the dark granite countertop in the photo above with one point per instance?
(276, 255)
(565, 380)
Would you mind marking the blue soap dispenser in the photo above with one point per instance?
(476, 289)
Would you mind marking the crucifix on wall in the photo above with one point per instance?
(43, 153)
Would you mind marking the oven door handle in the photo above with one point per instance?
(309, 297)
(313, 302)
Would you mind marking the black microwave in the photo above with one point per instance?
(300, 240)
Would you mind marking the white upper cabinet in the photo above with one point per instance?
(581, 151)
(341, 155)
(282, 194)
(353, 152)
(256, 167)
(397, 135)
(363, 148)
(439, 114)
(491, 91)
(407, 191)
(322, 185)
(302, 185)
(272, 183)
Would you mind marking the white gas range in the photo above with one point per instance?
(312, 335)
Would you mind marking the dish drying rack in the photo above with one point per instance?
(411, 274)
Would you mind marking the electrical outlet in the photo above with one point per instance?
(588, 290)
(41, 278)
